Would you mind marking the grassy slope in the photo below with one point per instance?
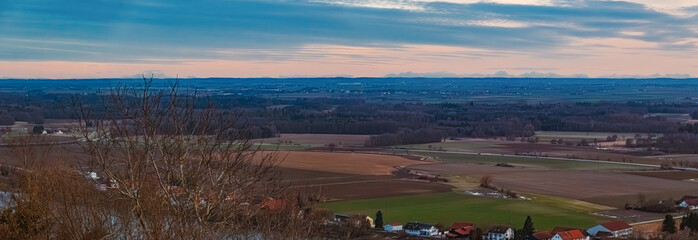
(448, 207)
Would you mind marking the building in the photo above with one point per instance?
(461, 230)
(393, 227)
(420, 229)
(615, 228)
(543, 235)
(691, 204)
(570, 235)
(500, 233)
(461, 233)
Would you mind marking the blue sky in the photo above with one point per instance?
(115, 38)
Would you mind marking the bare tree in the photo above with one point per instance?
(171, 166)
(486, 181)
(184, 168)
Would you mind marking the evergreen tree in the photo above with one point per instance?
(684, 221)
(528, 228)
(520, 234)
(669, 225)
(476, 233)
(379, 219)
(692, 222)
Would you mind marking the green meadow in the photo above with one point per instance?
(446, 208)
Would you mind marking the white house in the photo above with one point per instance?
(570, 235)
(500, 233)
(420, 229)
(393, 227)
(615, 228)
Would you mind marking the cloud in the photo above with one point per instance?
(266, 30)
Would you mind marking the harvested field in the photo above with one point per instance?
(466, 169)
(346, 176)
(345, 162)
(300, 177)
(669, 174)
(610, 188)
(523, 161)
(380, 189)
(544, 148)
(342, 186)
(341, 140)
(589, 185)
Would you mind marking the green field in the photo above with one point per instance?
(446, 208)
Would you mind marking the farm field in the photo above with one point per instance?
(529, 162)
(315, 140)
(446, 208)
(542, 148)
(605, 187)
(546, 136)
(347, 175)
(591, 185)
(344, 162)
(668, 174)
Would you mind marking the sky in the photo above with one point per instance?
(349, 38)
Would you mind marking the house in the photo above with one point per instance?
(616, 228)
(420, 229)
(500, 233)
(570, 235)
(461, 230)
(459, 225)
(461, 233)
(559, 229)
(543, 235)
(393, 227)
(691, 204)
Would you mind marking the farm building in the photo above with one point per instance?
(500, 233)
(420, 229)
(570, 235)
(393, 227)
(615, 228)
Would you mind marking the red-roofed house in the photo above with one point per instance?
(459, 225)
(570, 235)
(616, 228)
(462, 233)
(544, 235)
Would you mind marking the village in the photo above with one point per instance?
(610, 230)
